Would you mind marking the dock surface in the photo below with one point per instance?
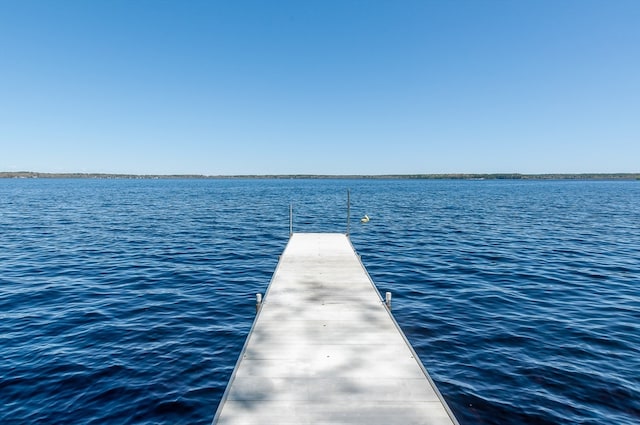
(324, 349)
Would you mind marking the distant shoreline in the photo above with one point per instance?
(461, 176)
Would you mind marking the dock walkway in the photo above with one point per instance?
(324, 349)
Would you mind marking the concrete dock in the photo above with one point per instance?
(325, 349)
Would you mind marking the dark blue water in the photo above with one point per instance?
(128, 301)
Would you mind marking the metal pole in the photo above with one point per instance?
(348, 212)
(387, 299)
(290, 220)
(258, 302)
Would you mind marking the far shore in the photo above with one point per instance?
(461, 176)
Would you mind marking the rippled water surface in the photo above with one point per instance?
(128, 301)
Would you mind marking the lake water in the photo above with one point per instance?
(128, 301)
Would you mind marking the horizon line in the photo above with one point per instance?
(433, 176)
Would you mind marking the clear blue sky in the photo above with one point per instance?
(322, 87)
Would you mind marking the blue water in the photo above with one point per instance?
(128, 301)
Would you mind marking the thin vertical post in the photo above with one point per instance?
(348, 212)
(387, 300)
(290, 220)
(258, 302)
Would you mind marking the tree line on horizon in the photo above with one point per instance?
(452, 176)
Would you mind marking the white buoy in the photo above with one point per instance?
(364, 219)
